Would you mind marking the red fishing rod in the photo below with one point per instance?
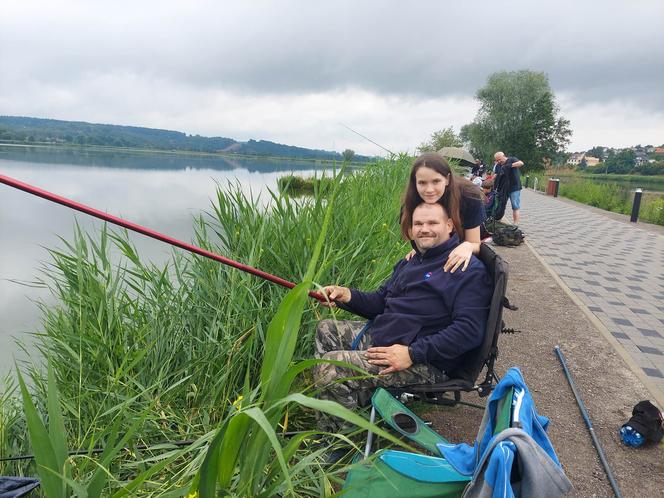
(149, 232)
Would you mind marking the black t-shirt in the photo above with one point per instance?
(514, 174)
(472, 212)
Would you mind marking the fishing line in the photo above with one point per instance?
(367, 138)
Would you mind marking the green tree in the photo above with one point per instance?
(597, 151)
(622, 162)
(518, 115)
(440, 139)
(656, 168)
(348, 155)
(582, 165)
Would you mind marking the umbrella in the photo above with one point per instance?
(458, 153)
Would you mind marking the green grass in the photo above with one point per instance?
(644, 181)
(608, 196)
(163, 353)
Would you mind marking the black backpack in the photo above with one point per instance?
(508, 236)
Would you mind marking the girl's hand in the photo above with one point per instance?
(459, 256)
(410, 255)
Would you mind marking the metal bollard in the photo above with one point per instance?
(637, 205)
(527, 180)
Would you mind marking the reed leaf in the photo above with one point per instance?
(49, 466)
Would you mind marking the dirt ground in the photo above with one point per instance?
(547, 317)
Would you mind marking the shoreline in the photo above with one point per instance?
(175, 152)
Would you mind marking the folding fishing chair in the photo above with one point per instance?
(395, 474)
(510, 425)
(464, 378)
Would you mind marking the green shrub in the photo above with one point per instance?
(297, 186)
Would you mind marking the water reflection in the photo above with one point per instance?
(150, 160)
(163, 193)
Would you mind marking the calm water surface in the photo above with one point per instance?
(161, 191)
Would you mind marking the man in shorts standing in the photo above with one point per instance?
(511, 167)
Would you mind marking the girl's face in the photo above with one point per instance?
(430, 184)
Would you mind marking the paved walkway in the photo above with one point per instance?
(615, 267)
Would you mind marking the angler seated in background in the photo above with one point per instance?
(425, 320)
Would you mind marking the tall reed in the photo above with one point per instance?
(172, 345)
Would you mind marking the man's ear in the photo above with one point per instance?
(450, 226)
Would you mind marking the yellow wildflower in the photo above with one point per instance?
(238, 402)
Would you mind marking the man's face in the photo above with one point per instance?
(501, 158)
(431, 226)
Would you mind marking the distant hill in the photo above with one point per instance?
(36, 130)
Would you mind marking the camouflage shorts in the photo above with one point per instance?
(340, 384)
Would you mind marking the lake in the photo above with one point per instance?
(160, 191)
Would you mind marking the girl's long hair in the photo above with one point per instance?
(456, 189)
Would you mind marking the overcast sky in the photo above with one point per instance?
(291, 71)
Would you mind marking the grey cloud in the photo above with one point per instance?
(604, 51)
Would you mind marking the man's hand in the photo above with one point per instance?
(336, 293)
(395, 357)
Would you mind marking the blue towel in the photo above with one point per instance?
(465, 458)
(498, 471)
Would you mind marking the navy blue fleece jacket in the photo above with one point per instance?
(440, 315)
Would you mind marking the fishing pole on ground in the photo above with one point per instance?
(589, 424)
(150, 233)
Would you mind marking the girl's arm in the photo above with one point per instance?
(460, 256)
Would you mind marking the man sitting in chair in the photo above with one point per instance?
(425, 320)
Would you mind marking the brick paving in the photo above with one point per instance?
(615, 268)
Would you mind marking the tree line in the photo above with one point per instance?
(36, 130)
(623, 162)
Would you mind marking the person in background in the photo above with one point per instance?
(510, 166)
(478, 169)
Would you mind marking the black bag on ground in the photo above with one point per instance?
(647, 419)
(15, 487)
(508, 236)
